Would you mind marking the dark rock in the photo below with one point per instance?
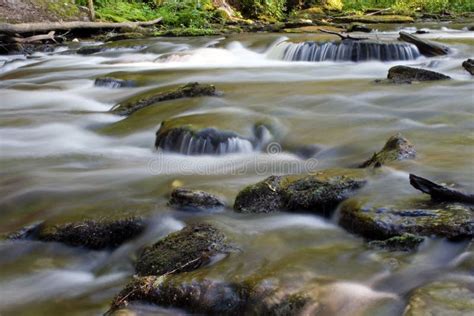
(469, 66)
(113, 83)
(404, 74)
(439, 192)
(425, 47)
(405, 242)
(195, 200)
(185, 250)
(396, 148)
(359, 27)
(441, 298)
(89, 234)
(89, 50)
(319, 193)
(214, 133)
(189, 90)
(452, 221)
(208, 297)
(422, 32)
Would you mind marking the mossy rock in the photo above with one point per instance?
(185, 250)
(209, 297)
(319, 193)
(195, 200)
(396, 148)
(91, 234)
(375, 19)
(188, 32)
(405, 242)
(215, 133)
(441, 298)
(154, 96)
(404, 74)
(380, 222)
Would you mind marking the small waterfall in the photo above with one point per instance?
(206, 141)
(346, 50)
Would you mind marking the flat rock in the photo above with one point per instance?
(404, 74)
(441, 298)
(142, 100)
(185, 250)
(320, 192)
(405, 242)
(91, 234)
(375, 19)
(195, 200)
(396, 148)
(380, 222)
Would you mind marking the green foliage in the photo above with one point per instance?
(410, 6)
(186, 13)
(121, 11)
(263, 8)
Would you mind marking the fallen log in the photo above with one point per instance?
(35, 38)
(439, 192)
(425, 47)
(63, 26)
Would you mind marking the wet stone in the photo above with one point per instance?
(469, 66)
(405, 242)
(318, 193)
(404, 74)
(185, 250)
(91, 234)
(396, 148)
(195, 200)
(427, 48)
(89, 50)
(109, 82)
(376, 222)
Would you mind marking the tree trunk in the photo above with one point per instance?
(91, 10)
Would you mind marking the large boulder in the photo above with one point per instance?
(421, 218)
(427, 48)
(91, 234)
(396, 148)
(441, 298)
(320, 192)
(185, 250)
(214, 133)
(404, 74)
(142, 100)
(195, 200)
(209, 297)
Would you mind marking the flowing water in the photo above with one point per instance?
(63, 158)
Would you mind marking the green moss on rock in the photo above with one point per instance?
(91, 234)
(185, 250)
(441, 298)
(320, 192)
(405, 242)
(396, 148)
(195, 200)
(453, 221)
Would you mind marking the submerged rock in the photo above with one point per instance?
(427, 48)
(405, 242)
(441, 298)
(320, 192)
(185, 250)
(452, 221)
(189, 90)
(109, 82)
(396, 148)
(346, 50)
(89, 234)
(469, 66)
(214, 133)
(89, 50)
(209, 297)
(195, 200)
(404, 74)
(358, 27)
(439, 192)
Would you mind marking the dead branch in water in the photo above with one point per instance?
(344, 37)
(36, 38)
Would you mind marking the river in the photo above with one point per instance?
(64, 157)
